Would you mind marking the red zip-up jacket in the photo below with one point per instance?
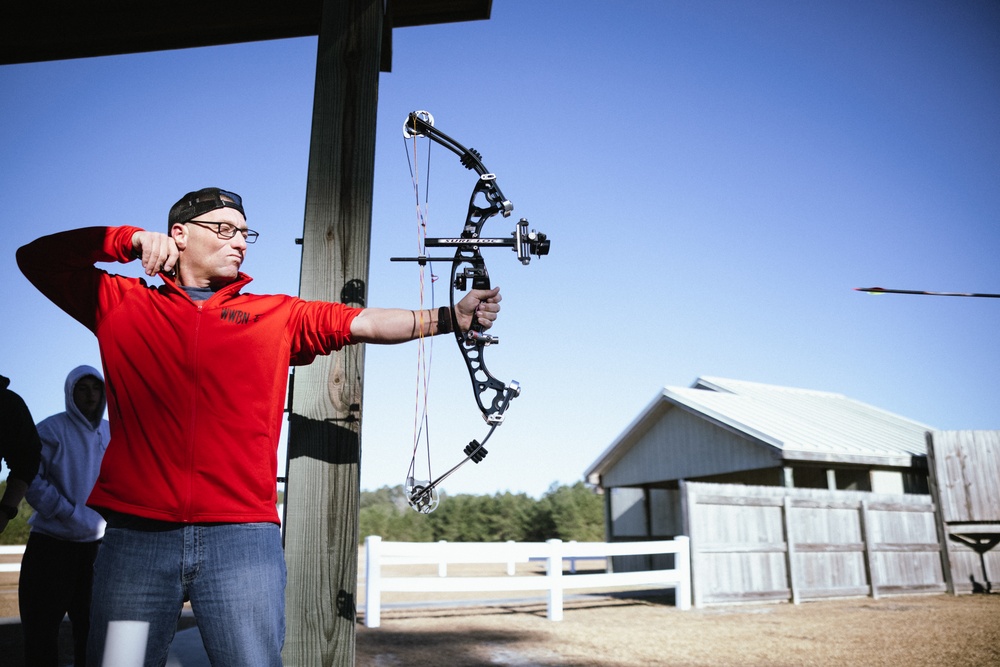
(195, 390)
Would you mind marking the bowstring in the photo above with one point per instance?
(425, 345)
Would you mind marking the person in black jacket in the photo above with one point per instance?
(20, 449)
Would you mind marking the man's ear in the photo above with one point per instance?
(179, 233)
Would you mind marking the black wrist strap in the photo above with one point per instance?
(446, 323)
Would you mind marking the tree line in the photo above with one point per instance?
(18, 528)
(564, 512)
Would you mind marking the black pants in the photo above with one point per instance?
(56, 579)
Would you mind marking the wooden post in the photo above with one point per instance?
(940, 526)
(786, 521)
(324, 447)
(871, 568)
(688, 505)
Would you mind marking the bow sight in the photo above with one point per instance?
(525, 243)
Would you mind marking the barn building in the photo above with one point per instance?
(786, 494)
(735, 432)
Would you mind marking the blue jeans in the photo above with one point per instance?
(233, 574)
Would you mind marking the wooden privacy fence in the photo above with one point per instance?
(379, 554)
(965, 479)
(752, 543)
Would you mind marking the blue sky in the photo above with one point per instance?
(715, 177)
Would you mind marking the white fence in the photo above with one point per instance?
(554, 552)
(11, 550)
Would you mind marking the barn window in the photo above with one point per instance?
(628, 512)
(853, 480)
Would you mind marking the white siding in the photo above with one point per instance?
(681, 445)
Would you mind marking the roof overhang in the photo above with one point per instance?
(43, 30)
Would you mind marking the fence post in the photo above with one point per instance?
(553, 570)
(793, 583)
(373, 581)
(871, 568)
(682, 564)
(510, 558)
(443, 563)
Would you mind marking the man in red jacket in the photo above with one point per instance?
(195, 373)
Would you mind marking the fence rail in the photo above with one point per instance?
(11, 550)
(555, 553)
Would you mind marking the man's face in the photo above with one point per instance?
(88, 395)
(206, 259)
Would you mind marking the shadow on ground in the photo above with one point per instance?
(12, 641)
(387, 647)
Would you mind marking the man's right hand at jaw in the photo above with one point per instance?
(157, 251)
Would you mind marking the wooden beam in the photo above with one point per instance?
(43, 30)
(407, 13)
(324, 446)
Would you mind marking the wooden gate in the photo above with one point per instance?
(754, 543)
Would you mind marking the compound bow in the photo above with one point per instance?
(493, 396)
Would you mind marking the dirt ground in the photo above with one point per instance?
(632, 630)
(910, 631)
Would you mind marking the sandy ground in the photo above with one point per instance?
(911, 631)
(629, 629)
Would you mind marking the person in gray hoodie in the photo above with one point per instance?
(58, 563)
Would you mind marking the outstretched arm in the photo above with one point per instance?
(396, 325)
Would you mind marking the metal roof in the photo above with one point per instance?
(801, 424)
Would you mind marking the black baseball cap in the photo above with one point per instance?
(194, 204)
